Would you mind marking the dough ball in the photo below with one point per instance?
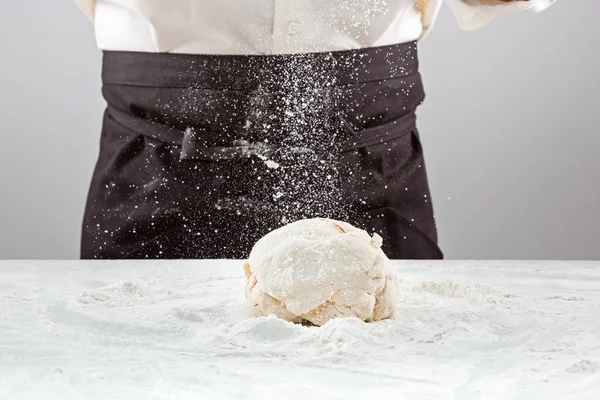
(318, 269)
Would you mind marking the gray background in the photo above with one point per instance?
(510, 128)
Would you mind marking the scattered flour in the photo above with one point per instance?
(269, 163)
(139, 330)
(474, 293)
(585, 366)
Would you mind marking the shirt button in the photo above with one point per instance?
(293, 28)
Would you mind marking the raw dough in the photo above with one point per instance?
(318, 269)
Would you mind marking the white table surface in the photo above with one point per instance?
(177, 330)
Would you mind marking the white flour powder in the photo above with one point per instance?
(178, 330)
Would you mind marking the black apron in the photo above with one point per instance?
(202, 155)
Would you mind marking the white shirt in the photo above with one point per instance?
(278, 26)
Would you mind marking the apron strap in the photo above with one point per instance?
(379, 133)
(194, 143)
(154, 130)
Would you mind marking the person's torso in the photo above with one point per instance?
(259, 26)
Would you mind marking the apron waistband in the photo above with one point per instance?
(241, 72)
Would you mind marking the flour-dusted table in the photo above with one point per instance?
(178, 330)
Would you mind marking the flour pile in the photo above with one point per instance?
(319, 269)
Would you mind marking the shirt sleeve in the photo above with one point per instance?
(88, 7)
(475, 14)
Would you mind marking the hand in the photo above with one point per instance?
(421, 5)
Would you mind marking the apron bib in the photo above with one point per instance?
(202, 155)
